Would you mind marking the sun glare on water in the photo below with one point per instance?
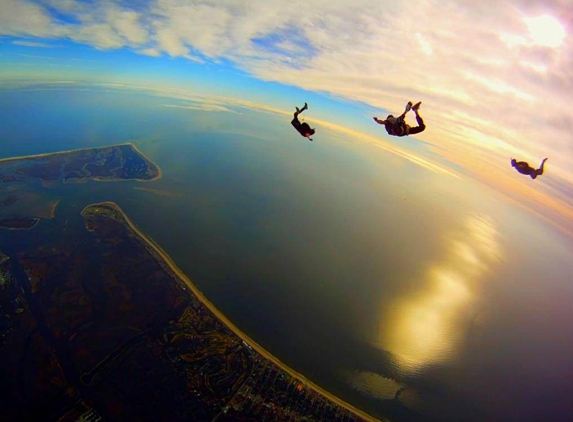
(429, 326)
(546, 30)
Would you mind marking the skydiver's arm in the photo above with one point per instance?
(380, 122)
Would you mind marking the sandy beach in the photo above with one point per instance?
(161, 254)
(159, 171)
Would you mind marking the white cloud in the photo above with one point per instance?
(100, 35)
(126, 23)
(202, 26)
(33, 44)
(171, 43)
(154, 52)
(21, 17)
(424, 44)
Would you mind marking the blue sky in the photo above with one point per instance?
(494, 77)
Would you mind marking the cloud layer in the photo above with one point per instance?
(495, 81)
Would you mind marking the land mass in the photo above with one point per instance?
(111, 163)
(104, 326)
(18, 223)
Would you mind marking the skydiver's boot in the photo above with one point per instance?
(540, 169)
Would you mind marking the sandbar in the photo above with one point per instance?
(160, 192)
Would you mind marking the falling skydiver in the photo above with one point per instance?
(303, 128)
(524, 168)
(396, 126)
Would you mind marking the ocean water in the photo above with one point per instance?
(354, 266)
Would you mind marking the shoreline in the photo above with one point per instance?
(2, 227)
(263, 352)
(97, 179)
(53, 206)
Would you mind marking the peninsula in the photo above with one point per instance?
(110, 163)
(102, 325)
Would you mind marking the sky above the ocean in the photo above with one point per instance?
(495, 78)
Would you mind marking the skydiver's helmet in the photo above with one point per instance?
(513, 162)
(312, 131)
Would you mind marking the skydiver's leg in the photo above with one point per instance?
(300, 110)
(408, 108)
(539, 171)
(295, 122)
(417, 129)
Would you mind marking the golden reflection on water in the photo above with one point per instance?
(373, 384)
(429, 326)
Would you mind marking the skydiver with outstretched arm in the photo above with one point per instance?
(303, 128)
(524, 168)
(396, 126)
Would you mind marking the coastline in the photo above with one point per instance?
(53, 205)
(37, 220)
(179, 273)
(47, 154)
(159, 171)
